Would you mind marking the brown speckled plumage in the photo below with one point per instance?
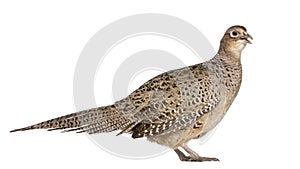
(171, 108)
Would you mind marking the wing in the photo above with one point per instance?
(170, 101)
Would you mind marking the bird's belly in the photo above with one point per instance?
(203, 125)
(172, 140)
(212, 121)
(197, 129)
(216, 115)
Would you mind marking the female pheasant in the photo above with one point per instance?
(173, 107)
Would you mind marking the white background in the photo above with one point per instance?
(41, 42)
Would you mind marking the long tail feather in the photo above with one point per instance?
(97, 120)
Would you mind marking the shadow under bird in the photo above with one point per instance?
(173, 107)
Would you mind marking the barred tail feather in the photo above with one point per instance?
(56, 123)
(92, 121)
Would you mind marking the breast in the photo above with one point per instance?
(230, 86)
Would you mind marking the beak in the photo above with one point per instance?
(248, 37)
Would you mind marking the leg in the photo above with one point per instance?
(181, 156)
(195, 156)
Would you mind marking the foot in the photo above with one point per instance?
(193, 155)
(199, 159)
(202, 159)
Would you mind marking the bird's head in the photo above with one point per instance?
(235, 39)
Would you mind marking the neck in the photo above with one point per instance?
(229, 55)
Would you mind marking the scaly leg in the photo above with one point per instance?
(181, 155)
(193, 155)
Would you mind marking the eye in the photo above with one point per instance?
(234, 34)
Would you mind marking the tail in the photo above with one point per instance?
(97, 120)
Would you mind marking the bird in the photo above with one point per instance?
(172, 108)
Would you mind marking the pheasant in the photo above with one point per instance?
(173, 107)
